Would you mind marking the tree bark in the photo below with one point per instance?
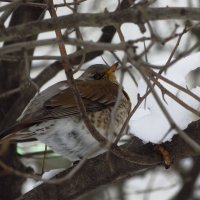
(101, 170)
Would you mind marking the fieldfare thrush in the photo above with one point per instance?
(53, 117)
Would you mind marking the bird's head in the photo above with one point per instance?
(99, 72)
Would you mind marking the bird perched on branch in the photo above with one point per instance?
(53, 117)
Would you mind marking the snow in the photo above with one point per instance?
(50, 174)
(153, 185)
(149, 123)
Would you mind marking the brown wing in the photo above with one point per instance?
(96, 95)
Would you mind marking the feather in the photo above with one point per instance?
(96, 95)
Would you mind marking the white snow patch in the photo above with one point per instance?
(149, 123)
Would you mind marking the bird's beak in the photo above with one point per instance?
(112, 69)
(111, 72)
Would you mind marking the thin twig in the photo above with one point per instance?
(182, 55)
(79, 36)
(71, 81)
(187, 91)
(44, 158)
(175, 98)
(89, 45)
(10, 92)
(173, 51)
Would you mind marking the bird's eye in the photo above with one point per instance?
(97, 76)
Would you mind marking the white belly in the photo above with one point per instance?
(63, 136)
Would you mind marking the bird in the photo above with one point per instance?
(53, 118)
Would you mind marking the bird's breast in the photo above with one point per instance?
(70, 136)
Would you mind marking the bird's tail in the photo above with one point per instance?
(16, 133)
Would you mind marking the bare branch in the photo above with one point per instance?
(102, 19)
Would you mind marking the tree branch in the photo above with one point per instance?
(90, 177)
(188, 186)
(132, 15)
